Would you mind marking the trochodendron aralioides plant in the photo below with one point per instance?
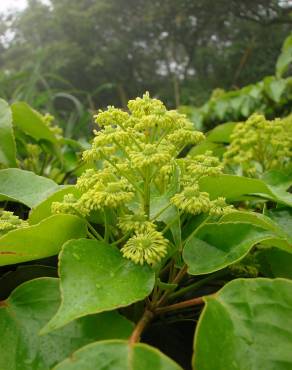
(149, 234)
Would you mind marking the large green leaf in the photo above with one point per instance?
(234, 187)
(28, 308)
(31, 122)
(7, 141)
(280, 226)
(25, 187)
(221, 133)
(43, 209)
(246, 326)
(118, 355)
(216, 246)
(254, 218)
(42, 240)
(97, 278)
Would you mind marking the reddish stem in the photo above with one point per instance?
(141, 325)
(176, 306)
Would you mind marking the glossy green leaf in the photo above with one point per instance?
(216, 246)
(97, 278)
(25, 187)
(118, 355)
(42, 240)
(28, 308)
(203, 147)
(281, 239)
(23, 273)
(254, 218)
(233, 187)
(31, 122)
(221, 133)
(43, 210)
(7, 141)
(247, 325)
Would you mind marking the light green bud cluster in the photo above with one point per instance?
(259, 145)
(149, 246)
(48, 120)
(192, 200)
(69, 205)
(137, 154)
(135, 222)
(8, 222)
(33, 152)
(218, 207)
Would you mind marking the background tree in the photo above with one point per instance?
(98, 52)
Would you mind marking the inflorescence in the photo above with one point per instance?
(8, 222)
(137, 156)
(259, 145)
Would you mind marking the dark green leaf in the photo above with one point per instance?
(97, 278)
(28, 308)
(275, 262)
(118, 355)
(233, 187)
(25, 187)
(216, 246)
(43, 210)
(39, 241)
(31, 122)
(246, 326)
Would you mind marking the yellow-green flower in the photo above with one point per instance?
(192, 200)
(135, 222)
(111, 195)
(8, 222)
(259, 145)
(218, 207)
(149, 155)
(148, 246)
(68, 205)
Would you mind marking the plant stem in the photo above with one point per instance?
(197, 284)
(180, 305)
(106, 227)
(93, 231)
(176, 280)
(196, 230)
(161, 211)
(175, 219)
(141, 325)
(123, 238)
(147, 194)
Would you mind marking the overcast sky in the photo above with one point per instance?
(11, 4)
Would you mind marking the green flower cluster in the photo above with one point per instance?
(259, 145)
(137, 153)
(8, 222)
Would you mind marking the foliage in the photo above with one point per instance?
(151, 232)
(271, 96)
(31, 141)
(114, 50)
(259, 145)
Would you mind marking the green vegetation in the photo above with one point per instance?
(151, 243)
(146, 236)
